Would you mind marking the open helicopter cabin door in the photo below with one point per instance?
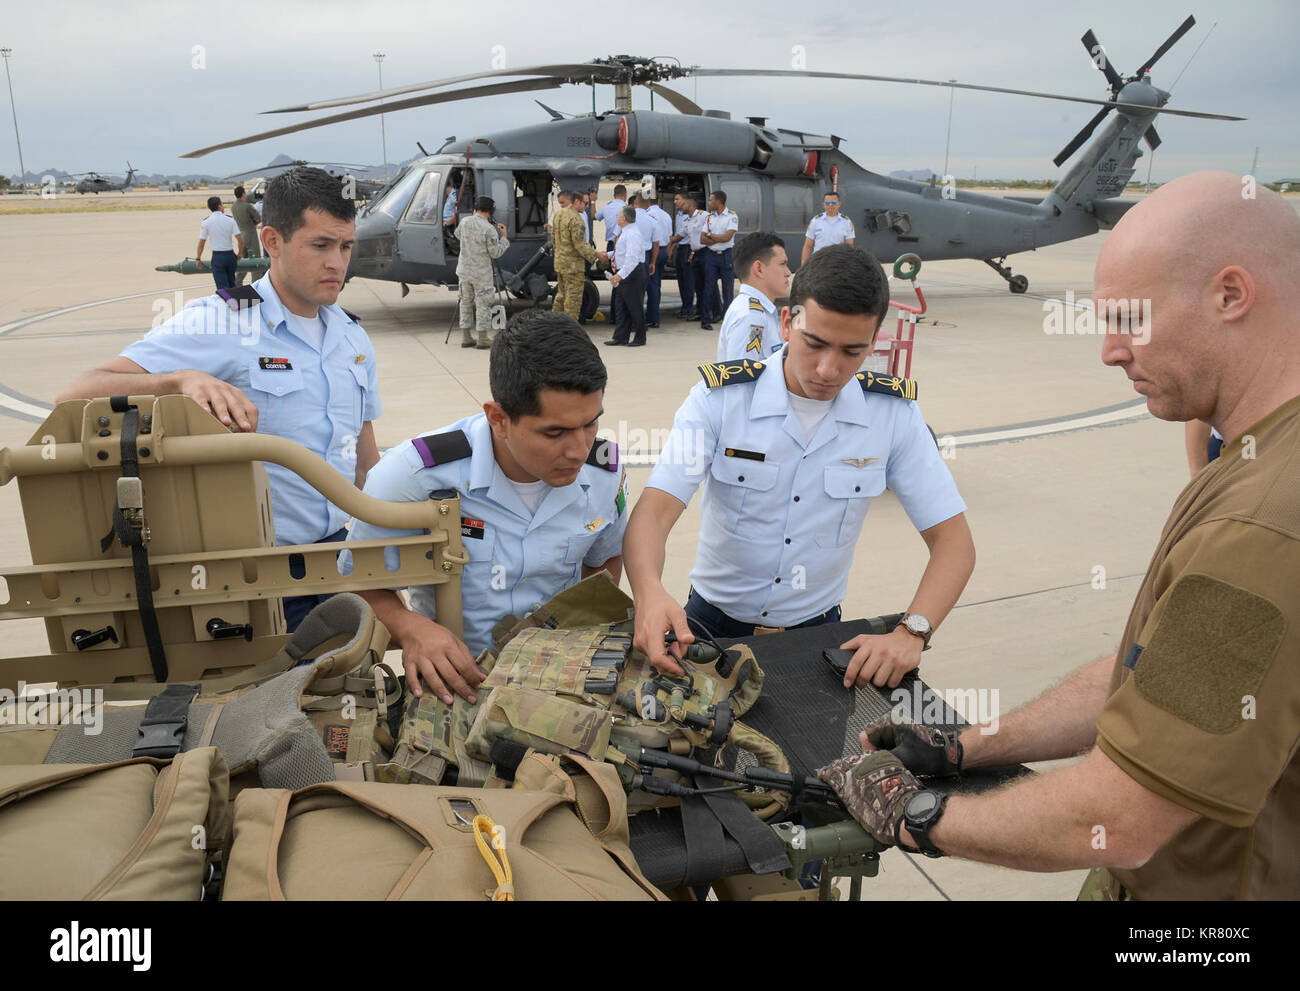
(419, 231)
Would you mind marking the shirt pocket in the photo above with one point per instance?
(580, 544)
(742, 490)
(274, 391)
(360, 375)
(850, 491)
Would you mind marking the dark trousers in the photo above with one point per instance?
(685, 277)
(699, 275)
(223, 269)
(296, 607)
(629, 307)
(653, 285)
(717, 265)
(706, 619)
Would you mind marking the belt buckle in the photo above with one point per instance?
(764, 630)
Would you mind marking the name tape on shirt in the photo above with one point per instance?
(275, 364)
(471, 528)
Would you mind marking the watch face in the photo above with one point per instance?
(921, 805)
(917, 624)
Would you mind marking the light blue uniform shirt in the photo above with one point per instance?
(751, 327)
(777, 535)
(662, 224)
(609, 213)
(517, 559)
(449, 208)
(319, 398)
(825, 230)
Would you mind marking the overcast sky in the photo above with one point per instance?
(98, 84)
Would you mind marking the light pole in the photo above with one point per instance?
(6, 52)
(951, 93)
(383, 136)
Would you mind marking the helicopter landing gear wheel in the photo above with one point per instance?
(1016, 283)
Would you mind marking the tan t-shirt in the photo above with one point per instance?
(1205, 696)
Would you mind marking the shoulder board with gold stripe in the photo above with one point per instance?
(350, 315)
(718, 373)
(888, 385)
(603, 454)
(754, 304)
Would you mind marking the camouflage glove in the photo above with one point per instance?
(874, 788)
(925, 750)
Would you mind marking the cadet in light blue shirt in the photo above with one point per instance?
(831, 227)
(610, 211)
(751, 327)
(790, 452)
(279, 356)
(542, 502)
(449, 205)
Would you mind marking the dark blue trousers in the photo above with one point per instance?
(685, 277)
(653, 285)
(223, 269)
(717, 265)
(296, 607)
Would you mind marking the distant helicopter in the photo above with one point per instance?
(96, 183)
(774, 178)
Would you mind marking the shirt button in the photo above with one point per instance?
(764, 612)
(740, 478)
(796, 498)
(857, 488)
(787, 540)
(778, 581)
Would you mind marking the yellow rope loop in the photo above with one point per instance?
(491, 842)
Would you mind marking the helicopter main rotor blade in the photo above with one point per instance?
(935, 82)
(564, 71)
(1169, 43)
(418, 101)
(681, 103)
(1077, 141)
(1094, 48)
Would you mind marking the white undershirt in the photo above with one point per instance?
(530, 494)
(309, 328)
(810, 412)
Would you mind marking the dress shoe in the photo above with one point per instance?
(615, 344)
(706, 326)
(636, 344)
(653, 326)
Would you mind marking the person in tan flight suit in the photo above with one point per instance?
(1189, 787)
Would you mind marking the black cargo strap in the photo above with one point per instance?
(764, 851)
(706, 845)
(162, 730)
(134, 538)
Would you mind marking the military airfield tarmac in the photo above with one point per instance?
(1066, 477)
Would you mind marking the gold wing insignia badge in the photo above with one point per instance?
(860, 462)
(595, 525)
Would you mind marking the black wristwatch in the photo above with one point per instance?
(920, 814)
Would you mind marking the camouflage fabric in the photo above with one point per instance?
(568, 293)
(476, 302)
(1102, 886)
(569, 237)
(541, 720)
(923, 749)
(874, 788)
(480, 245)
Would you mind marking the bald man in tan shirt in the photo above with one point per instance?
(1189, 786)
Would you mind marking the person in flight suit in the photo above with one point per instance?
(717, 237)
(791, 450)
(572, 254)
(828, 228)
(1189, 786)
(279, 356)
(542, 500)
(751, 327)
(247, 219)
(481, 243)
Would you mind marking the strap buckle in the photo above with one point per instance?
(162, 730)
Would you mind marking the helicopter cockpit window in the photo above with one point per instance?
(425, 208)
(400, 195)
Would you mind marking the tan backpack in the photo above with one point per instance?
(561, 836)
(130, 830)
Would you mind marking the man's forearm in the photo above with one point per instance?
(952, 560)
(392, 612)
(99, 383)
(1059, 723)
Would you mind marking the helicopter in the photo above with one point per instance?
(96, 183)
(774, 178)
(361, 185)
